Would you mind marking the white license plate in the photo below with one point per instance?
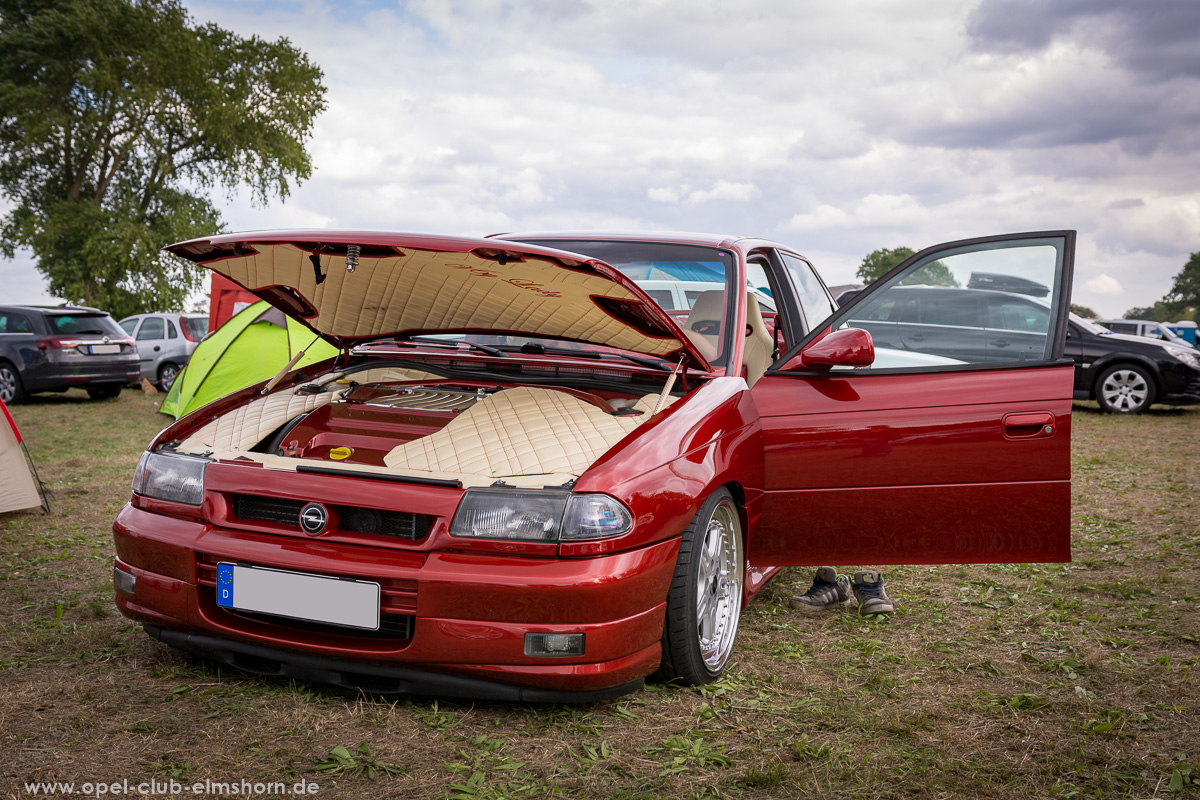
(105, 349)
(314, 598)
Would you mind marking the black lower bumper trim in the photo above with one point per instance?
(370, 678)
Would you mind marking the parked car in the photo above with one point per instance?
(521, 478)
(1124, 374)
(165, 343)
(51, 349)
(1144, 327)
(1127, 374)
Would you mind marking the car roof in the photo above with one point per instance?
(54, 309)
(729, 241)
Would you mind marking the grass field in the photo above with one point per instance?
(1000, 681)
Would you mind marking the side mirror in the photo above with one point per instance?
(848, 347)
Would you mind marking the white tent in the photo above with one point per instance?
(17, 487)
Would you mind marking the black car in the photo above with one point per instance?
(51, 349)
(970, 325)
(1124, 374)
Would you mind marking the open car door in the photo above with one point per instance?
(881, 448)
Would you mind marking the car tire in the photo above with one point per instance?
(167, 374)
(11, 389)
(105, 392)
(704, 603)
(1125, 389)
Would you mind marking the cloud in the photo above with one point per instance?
(836, 128)
(1104, 284)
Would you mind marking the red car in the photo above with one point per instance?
(522, 478)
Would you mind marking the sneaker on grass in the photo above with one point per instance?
(869, 592)
(829, 591)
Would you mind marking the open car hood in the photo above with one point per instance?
(403, 284)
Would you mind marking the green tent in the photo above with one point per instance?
(251, 347)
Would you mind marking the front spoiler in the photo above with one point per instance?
(370, 678)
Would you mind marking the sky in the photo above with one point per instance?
(834, 128)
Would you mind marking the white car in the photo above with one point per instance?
(165, 342)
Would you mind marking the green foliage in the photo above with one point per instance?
(878, 263)
(1185, 291)
(687, 752)
(1182, 302)
(116, 118)
(1085, 312)
(1161, 311)
(361, 763)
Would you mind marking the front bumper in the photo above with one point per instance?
(463, 616)
(371, 678)
(1184, 392)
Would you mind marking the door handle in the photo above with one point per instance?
(1028, 425)
(917, 338)
(1000, 343)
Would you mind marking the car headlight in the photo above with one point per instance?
(166, 476)
(538, 515)
(1186, 356)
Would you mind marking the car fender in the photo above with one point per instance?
(709, 439)
(1122, 357)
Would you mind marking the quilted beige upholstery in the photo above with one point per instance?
(759, 347)
(392, 375)
(709, 308)
(523, 431)
(245, 427)
(432, 290)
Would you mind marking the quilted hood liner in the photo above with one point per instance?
(352, 287)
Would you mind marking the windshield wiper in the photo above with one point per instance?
(531, 348)
(483, 348)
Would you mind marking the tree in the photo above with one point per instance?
(1185, 291)
(116, 119)
(1083, 311)
(876, 264)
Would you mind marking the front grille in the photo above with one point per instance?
(391, 626)
(356, 519)
(267, 509)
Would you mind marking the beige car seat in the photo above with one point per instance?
(706, 316)
(760, 348)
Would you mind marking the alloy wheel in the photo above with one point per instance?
(8, 384)
(719, 586)
(1125, 390)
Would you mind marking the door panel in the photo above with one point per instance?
(954, 459)
(914, 469)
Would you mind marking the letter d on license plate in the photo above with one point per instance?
(314, 598)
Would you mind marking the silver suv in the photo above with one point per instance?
(165, 342)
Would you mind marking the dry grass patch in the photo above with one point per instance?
(1005, 681)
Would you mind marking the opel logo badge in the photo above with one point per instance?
(313, 519)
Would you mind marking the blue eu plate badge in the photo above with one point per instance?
(225, 585)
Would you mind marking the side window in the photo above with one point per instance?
(951, 308)
(14, 323)
(814, 299)
(129, 324)
(172, 333)
(1122, 327)
(152, 328)
(982, 303)
(1015, 314)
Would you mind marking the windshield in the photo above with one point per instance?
(1090, 326)
(84, 325)
(689, 282)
